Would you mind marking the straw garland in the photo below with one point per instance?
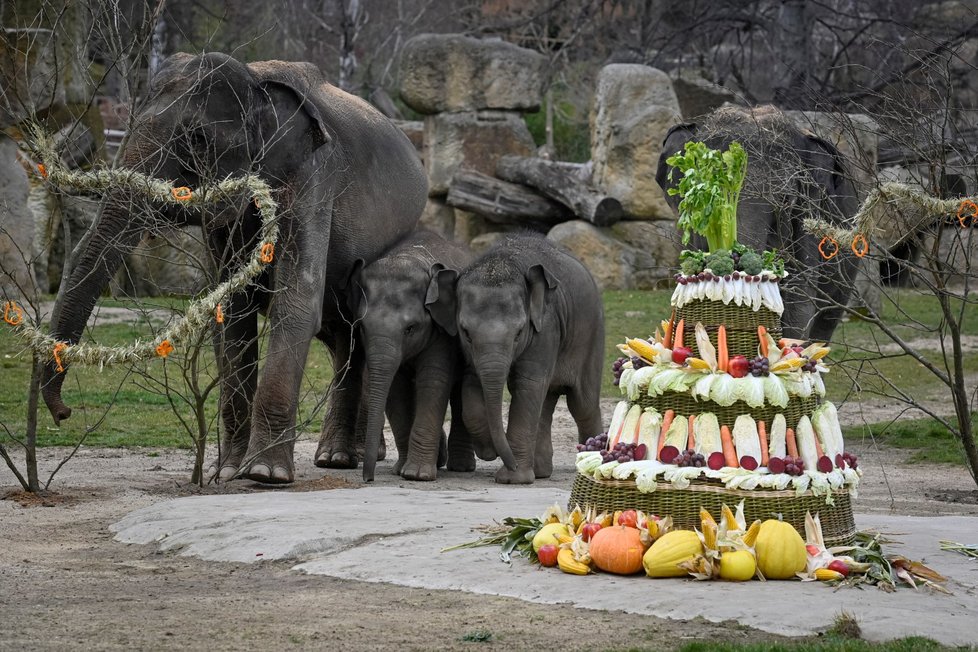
(201, 312)
(866, 219)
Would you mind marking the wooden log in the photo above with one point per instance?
(503, 202)
(566, 183)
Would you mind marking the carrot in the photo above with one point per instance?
(762, 436)
(667, 339)
(677, 337)
(818, 448)
(729, 452)
(666, 422)
(789, 440)
(722, 356)
(690, 440)
(762, 336)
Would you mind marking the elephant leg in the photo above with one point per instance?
(461, 456)
(401, 414)
(528, 395)
(236, 346)
(543, 454)
(475, 418)
(342, 420)
(433, 389)
(584, 405)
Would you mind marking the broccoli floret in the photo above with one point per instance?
(691, 266)
(751, 263)
(720, 262)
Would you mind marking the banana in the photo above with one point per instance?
(567, 563)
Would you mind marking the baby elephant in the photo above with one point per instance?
(529, 317)
(411, 362)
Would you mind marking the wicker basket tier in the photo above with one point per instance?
(683, 505)
(684, 404)
(741, 323)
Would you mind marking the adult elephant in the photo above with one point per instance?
(348, 183)
(791, 174)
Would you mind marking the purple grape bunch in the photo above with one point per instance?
(596, 443)
(616, 368)
(689, 457)
(809, 365)
(759, 366)
(621, 452)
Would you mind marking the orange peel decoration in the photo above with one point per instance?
(42, 170)
(967, 205)
(12, 314)
(219, 315)
(267, 252)
(821, 248)
(183, 193)
(58, 350)
(164, 349)
(860, 245)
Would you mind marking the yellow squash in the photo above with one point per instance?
(780, 550)
(670, 550)
(737, 565)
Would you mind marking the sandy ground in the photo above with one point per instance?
(64, 583)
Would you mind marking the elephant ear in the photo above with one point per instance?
(676, 138)
(541, 284)
(440, 298)
(299, 80)
(833, 177)
(352, 288)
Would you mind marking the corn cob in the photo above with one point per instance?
(822, 575)
(787, 364)
(642, 349)
(728, 514)
(567, 563)
(698, 364)
(706, 516)
(709, 535)
(751, 537)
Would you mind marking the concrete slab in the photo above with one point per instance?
(395, 535)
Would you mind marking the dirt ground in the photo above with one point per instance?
(64, 583)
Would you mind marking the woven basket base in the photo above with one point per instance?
(683, 505)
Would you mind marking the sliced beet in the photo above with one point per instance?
(715, 461)
(824, 464)
(668, 454)
(748, 462)
(840, 461)
(775, 465)
(640, 452)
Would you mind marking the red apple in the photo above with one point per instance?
(738, 366)
(547, 554)
(839, 566)
(628, 518)
(589, 529)
(680, 353)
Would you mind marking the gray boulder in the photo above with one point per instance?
(451, 72)
(477, 138)
(626, 256)
(28, 74)
(698, 96)
(634, 106)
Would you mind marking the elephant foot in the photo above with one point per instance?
(278, 474)
(225, 468)
(418, 471)
(223, 474)
(522, 475)
(381, 451)
(543, 469)
(398, 465)
(332, 455)
(463, 463)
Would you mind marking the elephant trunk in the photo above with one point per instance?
(99, 257)
(382, 363)
(493, 378)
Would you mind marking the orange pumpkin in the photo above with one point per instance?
(617, 550)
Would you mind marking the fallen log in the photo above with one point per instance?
(566, 183)
(503, 202)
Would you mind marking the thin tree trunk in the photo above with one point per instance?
(33, 395)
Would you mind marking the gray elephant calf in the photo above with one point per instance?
(529, 317)
(412, 362)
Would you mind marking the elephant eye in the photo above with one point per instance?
(466, 335)
(409, 329)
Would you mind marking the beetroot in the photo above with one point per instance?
(775, 465)
(748, 462)
(641, 451)
(824, 464)
(668, 454)
(716, 461)
(840, 461)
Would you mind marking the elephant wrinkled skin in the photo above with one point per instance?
(530, 318)
(348, 183)
(791, 175)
